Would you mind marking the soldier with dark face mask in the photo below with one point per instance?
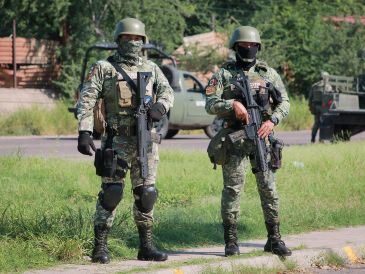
(112, 80)
(224, 100)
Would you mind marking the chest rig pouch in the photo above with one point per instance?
(126, 95)
(260, 92)
(126, 86)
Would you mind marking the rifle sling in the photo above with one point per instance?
(126, 77)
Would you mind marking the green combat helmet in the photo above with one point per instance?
(325, 75)
(245, 34)
(130, 26)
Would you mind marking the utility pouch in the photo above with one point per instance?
(125, 94)
(277, 146)
(109, 162)
(218, 147)
(98, 162)
(99, 116)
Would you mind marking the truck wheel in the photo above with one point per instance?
(171, 133)
(162, 127)
(214, 128)
(96, 135)
(341, 133)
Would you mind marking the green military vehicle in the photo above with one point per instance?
(342, 113)
(189, 106)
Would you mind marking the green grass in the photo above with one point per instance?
(39, 121)
(329, 258)
(47, 205)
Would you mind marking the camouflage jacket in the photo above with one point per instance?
(220, 95)
(102, 82)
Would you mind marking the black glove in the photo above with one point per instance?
(157, 111)
(84, 143)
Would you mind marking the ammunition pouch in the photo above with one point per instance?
(99, 116)
(277, 146)
(105, 162)
(218, 147)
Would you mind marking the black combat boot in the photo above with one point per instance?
(274, 243)
(147, 252)
(100, 251)
(230, 238)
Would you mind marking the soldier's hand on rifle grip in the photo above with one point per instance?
(157, 111)
(265, 129)
(241, 112)
(85, 142)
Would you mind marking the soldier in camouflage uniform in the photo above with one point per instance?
(105, 82)
(315, 101)
(221, 101)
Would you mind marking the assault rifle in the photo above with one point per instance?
(143, 131)
(250, 130)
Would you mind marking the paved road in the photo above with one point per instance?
(65, 146)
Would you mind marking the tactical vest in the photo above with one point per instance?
(120, 99)
(258, 84)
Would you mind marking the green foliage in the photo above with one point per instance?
(47, 209)
(39, 121)
(295, 34)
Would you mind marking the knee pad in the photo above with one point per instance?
(111, 195)
(145, 197)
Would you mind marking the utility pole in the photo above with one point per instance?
(14, 54)
(213, 22)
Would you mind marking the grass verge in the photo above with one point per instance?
(58, 121)
(39, 121)
(48, 204)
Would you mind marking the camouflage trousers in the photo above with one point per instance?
(127, 150)
(234, 172)
(315, 126)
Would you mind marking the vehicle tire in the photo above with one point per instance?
(214, 128)
(341, 133)
(171, 133)
(96, 135)
(162, 127)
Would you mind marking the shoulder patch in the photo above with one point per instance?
(212, 86)
(210, 90)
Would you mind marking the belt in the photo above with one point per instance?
(129, 131)
(123, 131)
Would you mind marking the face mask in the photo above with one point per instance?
(247, 54)
(129, 50)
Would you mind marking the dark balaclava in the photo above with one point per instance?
(246, 57)
(129, 51)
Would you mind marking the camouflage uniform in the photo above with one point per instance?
(221, 97)
(219, 102)
(106, 83)
(315, 102)
(100, 84)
